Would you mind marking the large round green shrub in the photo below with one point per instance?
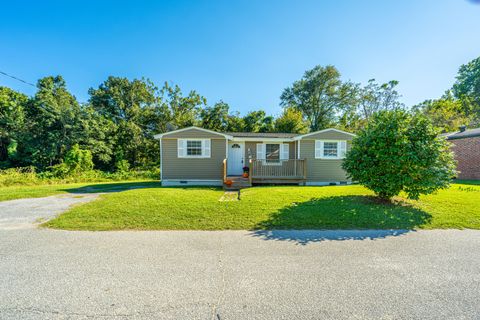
(399, 152)
(78, 160)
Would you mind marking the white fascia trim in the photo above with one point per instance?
(324, 130)
(260, 139)
(159, 136)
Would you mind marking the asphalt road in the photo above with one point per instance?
(48, 274)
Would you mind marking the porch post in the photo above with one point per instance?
(305, 169)
(250, 166)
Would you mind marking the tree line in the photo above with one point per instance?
(117, 123)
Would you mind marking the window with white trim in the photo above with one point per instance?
(193, 148)
(330, 149)
(272, 152)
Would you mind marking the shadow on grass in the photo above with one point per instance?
(340, 218)
(124, 186)
(114, 187)
(469, 182)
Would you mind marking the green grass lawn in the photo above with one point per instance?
(282, 207)
(37, 191)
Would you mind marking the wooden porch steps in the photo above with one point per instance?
(238, 182)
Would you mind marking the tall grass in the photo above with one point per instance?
(28, 176)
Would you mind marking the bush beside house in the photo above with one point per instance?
(399, 152)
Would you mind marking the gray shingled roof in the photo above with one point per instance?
(262, 134)
(461, 135)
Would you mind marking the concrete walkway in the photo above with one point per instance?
(27, 213)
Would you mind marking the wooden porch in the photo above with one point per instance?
(264, 171)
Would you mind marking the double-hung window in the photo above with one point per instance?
(193, 148)
(330, 149)
(272, 152)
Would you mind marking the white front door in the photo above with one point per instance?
(235, 161)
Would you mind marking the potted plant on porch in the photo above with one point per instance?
(246, 170)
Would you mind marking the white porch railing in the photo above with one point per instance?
(283, 169)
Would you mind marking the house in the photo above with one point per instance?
(197, 156)
(466, 147)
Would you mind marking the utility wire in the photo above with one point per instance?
(31, 84)
(18, 79)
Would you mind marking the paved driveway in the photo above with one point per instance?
(27, 213)
(48, 274)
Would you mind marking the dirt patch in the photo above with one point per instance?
(230, 196)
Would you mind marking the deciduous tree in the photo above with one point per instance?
(398, 152)
(235, 123)
(52, 124)
(12, 116)
(446, 113)
(291, 121)
(181, 110)
(257, 121)
(215, 117)
(129, 105)
(375, 97)
(467, 88)
(320, 95)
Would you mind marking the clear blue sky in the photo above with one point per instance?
(243, 52)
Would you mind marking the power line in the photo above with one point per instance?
(18, 79)
(31, 84)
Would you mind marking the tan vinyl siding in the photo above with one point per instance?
(193, 169)
(322, 170)
(194, 134)
(252, 145)
(329, 135)
(251, 149)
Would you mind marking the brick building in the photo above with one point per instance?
(466, 146)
